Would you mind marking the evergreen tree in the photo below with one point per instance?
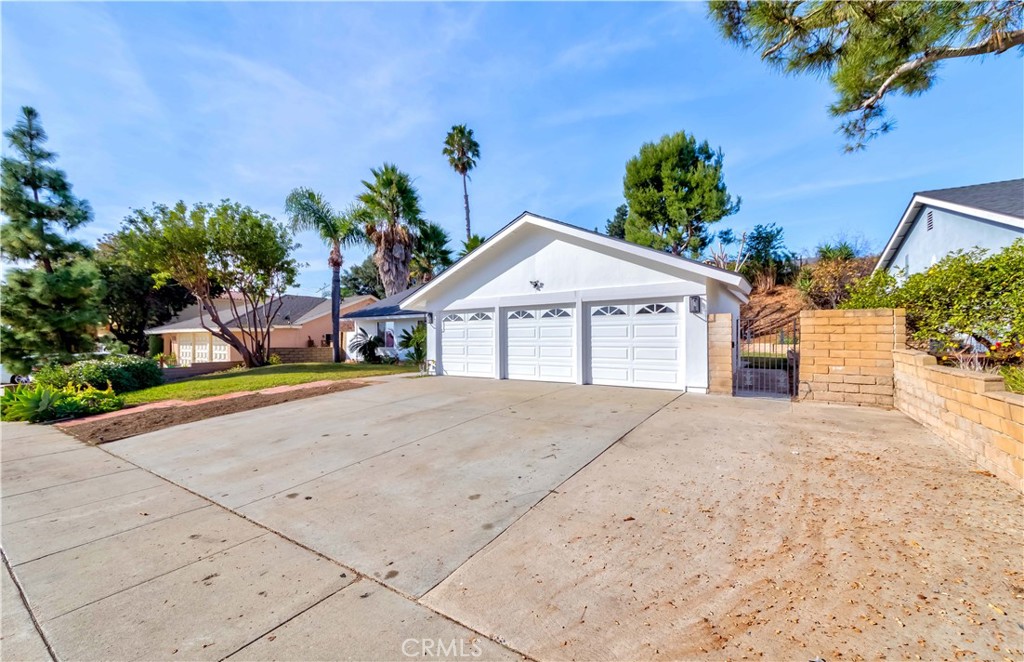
(52, 305)
(616, 226)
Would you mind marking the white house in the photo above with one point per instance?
(936, 223)
(385, 319)
(548, 301)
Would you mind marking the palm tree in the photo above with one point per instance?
(462, 152)
(471, 245)
(308, 210)
(431, 253)
(391, 216)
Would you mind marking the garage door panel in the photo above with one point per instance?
(610, 331)
(636, 345)
(660, 330)
(467, 344)
(541, 343)
(656, 354)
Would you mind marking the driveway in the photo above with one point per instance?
(490, 519)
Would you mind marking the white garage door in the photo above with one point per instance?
(467, 343)
(637, 345)
(541, 344)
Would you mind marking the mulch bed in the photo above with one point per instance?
(129, 424)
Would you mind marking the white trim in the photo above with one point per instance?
(916, 203)
(732, 280)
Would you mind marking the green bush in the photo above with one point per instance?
(1014, 377)
(38, 403)
(967, 294)
(122, 372)
(156, 345)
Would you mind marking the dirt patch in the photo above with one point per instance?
(148, 420)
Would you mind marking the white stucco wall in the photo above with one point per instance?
(578, 274)
(950, 231)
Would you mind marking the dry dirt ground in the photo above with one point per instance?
(128, 423)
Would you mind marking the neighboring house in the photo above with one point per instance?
(385, 319)
(300, 320)
(547, 301)
(936, 223)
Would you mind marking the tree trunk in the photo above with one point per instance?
(336, 311)
(465, 198)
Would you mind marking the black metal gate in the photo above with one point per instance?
(767, 360)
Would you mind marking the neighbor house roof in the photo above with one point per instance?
(998, 202)
(295, 311)
(736, 283)
(387, 307)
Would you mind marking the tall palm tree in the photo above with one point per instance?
(471, 245)
(392, 218)
(462, 152)
(308, 210)
(431, 253)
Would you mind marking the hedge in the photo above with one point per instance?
(123, 372)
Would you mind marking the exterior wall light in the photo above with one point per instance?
(695, 305)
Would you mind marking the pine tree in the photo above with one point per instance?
(52, 305)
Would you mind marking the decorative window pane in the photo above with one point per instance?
(520, 315)
(556, 312)
(608, 310)
(453, 318)
(479, 317)
(654, 309)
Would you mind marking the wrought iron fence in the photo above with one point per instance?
(767, 361)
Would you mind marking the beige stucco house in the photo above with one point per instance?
(302, 322)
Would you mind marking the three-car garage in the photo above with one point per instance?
(546, 301)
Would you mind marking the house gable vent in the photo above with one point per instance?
(931, 222)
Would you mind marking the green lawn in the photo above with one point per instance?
(763, 360)
(260, 378)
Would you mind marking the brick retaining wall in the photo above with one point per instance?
(846, 355)
(305, 354)
(970, 410)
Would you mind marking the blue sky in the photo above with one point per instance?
(156, 102)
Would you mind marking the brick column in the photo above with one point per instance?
(720, 353)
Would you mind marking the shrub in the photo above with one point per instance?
(366, 346)
(39, 403)
(968, 295)
(415, 342)
(122, 372)
(827, 283)
(274, 359)
(156, 345)
(1013, 375)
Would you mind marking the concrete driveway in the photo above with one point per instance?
(480, 519)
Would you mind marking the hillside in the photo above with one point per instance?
(773, 309)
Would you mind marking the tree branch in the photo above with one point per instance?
(997, 43)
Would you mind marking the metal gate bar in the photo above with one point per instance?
(767, 358)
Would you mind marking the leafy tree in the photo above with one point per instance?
(51, 308)
(870, 50)
(361, 279)
(431, 254)
(827, 283)
(471, 245)
(462, 151)
(767, 260)
(133, 302)
(616, 225)
(675, 190)
(967, 294)
(308, 210)
(392, 217)
(226, 245)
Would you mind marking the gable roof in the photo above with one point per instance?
(999, 202)
(387, 307)
(732, 280)
(295, 310)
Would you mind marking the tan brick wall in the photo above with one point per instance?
(304, 354)
(720, 353)
(970, 410)
(846, 355)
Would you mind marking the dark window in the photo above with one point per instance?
(608, 310)
(654, 309)
(556, 312)
(520, 315)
